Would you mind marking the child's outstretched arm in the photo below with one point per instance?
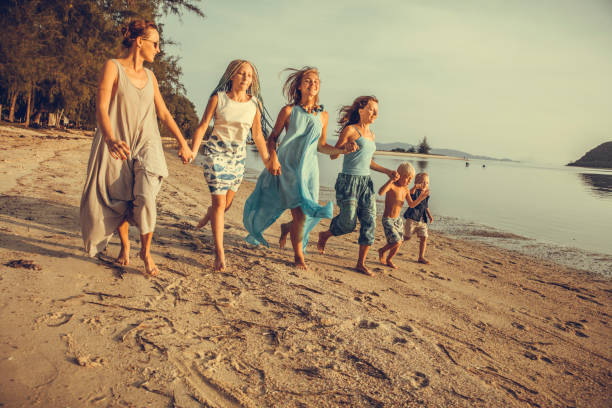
(198, 135)
(323, 147)
(424, 194)
(273, 166)
(387, 186)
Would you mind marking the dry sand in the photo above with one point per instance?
(479, 327)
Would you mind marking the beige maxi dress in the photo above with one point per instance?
(116, 190)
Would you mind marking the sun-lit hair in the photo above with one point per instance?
(225, 84)
(134, 29)
(406, 169)
(293, 82)
(421, 177)
(349, 114)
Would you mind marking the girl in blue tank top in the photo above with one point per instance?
(297, 187)
(354, 188)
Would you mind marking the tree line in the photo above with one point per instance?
(422, 148)
(52, 51)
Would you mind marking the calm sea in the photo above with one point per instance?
(557, 213)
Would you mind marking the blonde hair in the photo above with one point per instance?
(420, 177)
(293, 82)
(406, 169)
(225, 84)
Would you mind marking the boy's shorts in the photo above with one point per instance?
(412, 226)
(393, 229)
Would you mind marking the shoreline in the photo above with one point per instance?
(419, 155)
(480, 326)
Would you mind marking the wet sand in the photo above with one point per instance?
(479, 327)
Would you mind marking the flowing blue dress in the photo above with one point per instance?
(298, 184)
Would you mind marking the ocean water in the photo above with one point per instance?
(556, 213)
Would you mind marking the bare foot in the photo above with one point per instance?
(423, 261)
(299, 263)
(285, 228)
(124, 257)
(150, 267)
(381, 256)
(203, 222)
(219, 264)
(391, 264)
(364, 269)
(323, 237)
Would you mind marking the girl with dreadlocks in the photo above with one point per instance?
(297, 188)
(237, 106)
(354, 188)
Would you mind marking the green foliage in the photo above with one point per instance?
(424, 147)
(53, 51)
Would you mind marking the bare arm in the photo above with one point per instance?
(377, 167)
(273, 166)
(108, 78)
(323, 147)
(424, 194)
(282, 121)
(387, 186)
(347, 135)
(430, 216)
(200, 131)
(164, 115)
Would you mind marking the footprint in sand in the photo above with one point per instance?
(365, 324)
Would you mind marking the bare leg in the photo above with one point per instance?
(228, 203)
(392, 253)
(323, 237)
(422, 248)
(363, 252)
(218, 224)
(145, 254)
(124, 254)
(204, 220)
(296, 232)
(285, 229)
(381, 253)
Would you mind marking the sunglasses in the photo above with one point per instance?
(155, 43)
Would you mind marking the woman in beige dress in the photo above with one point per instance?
(127, 165)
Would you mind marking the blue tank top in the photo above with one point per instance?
(358, 162)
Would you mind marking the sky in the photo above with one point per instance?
(520, 79)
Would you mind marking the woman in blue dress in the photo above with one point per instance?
(297, 187)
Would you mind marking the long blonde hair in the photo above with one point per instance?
(225, 84)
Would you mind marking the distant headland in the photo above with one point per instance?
(599, 157)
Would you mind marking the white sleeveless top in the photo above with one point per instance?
(233, 121)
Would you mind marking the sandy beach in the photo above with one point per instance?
(479, 327)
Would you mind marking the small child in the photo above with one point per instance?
(418, 217)
(396, 191)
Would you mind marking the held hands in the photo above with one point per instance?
(394, 175)
(186, 154)
(273, 165)
(118, 149)
(350, 147)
